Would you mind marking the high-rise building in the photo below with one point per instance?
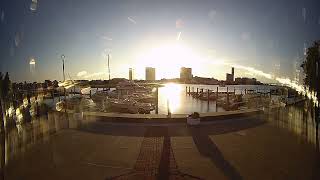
(230, 77)
(150, 73)
(185, 73)
(232, 72)
(130, 74)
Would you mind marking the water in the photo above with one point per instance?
(181, 103)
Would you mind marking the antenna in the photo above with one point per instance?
(109, 66)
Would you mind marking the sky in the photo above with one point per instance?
(259, 38)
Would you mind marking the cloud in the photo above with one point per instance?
(88, 76)
(82, 73)
(107, 38)
(132, 20)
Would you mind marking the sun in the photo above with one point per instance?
(167, 59)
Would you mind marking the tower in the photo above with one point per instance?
(130, 74)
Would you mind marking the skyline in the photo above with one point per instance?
(210, 37)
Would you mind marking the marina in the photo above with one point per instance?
(178, 98)
(174, 98)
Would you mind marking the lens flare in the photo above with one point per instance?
(283, 81)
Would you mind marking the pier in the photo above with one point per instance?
(225, 97)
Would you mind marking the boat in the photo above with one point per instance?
(130, 86)
(222, 84)
(130, 105)
(100, 96)
(141, 97)
(73, 103)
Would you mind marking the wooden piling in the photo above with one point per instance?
(157, 100)
(168, 107)
(52, 95)
(217, 92)
(227, 96)
(186, 90)
(270, 93)
(217, 98)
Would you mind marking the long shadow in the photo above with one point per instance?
(209, 149)
(164, 165)
(221, 127)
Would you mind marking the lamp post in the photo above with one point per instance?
(64, 79)
(63, 59)
(109, 66)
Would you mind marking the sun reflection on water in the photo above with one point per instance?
(172, 93)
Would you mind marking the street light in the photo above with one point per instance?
(64, 79)
(63, 59)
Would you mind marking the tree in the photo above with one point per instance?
(1, 110)
(311, 67)
(5, 85)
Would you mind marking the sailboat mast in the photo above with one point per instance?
(109, 66)
(63, 59)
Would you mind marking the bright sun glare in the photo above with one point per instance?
(172, 93)
(168, 59)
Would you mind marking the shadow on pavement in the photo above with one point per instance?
(219, 127)
(209, 149)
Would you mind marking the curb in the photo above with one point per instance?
(175, 118)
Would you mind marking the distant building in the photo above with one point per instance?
(232, 72)
(247, 81)
(150, 74)
(185, 73)
(130, 74)
(203, 80)
(230, 77)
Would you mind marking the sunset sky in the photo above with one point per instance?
(210, 36)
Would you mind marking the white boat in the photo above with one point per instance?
(73, 103)
(141, 97)
(130, 86)
(100, 96)
(130, 106)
